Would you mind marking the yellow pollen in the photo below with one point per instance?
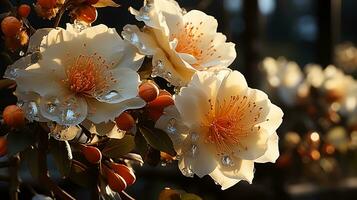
(190, 41)
(89, 76)
(229, 121)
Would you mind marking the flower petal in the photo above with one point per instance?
(272, 152)
(104, 112)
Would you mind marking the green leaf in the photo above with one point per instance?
(115, 148)
(81, 175)
(19, 141)
(189, 196)
(31, 158)
(62, 154)
(141, 144)
(158, 139)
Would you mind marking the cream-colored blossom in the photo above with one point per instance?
(220, 127)
(286, 78)
(77, 74)
(181, 43)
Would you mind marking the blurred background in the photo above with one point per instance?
(318, 137)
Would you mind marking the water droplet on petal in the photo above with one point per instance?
(21, 53)
(31, 109)
(171, 126)
(194, 150)
(227, 161)
(80, 25)
(110, 97)
(187, 172)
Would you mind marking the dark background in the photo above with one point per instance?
(305, 31)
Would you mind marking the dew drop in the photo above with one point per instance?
(171, 126)
(227, 161)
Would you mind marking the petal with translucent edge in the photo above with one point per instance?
(108, 129)
(41, 79)
(104, 112)
(233, 83)
(223, 180)
(63, 109)
(143, 41)
(272, 152)
(192, 99)
(130, 58)
(253, 145)
(36, 39)
(125, 87)
(201, 163)
(67, 45)
(241, 169)
(275, 118)
(171, 118)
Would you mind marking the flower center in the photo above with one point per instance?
(191, 41)
(89, 76)
(229, 121)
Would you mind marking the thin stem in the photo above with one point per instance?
(42, 163)
(14, 177)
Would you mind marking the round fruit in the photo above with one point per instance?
(148, 91)
(164, 92)
(87, 14)
(47, 4)
(92, 154)
(161, 102)
(115, 182)
(154, 114)
(124, 172)
(14, 116)
(24, 10)
(10, 26)
(125, 121)
(3, 146)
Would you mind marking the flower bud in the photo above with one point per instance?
(125, 121)
(164, 92)
(24, 10)
(3, 146)
(92, 154)
(161, 102)
(148, 91)
(86, 13)
(125, 172)
(115, 182)
(10, 26)
(14, 116)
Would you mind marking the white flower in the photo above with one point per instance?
(77, 75)
(220, 127)
(180, 43)
(286, 77)
(335, 85)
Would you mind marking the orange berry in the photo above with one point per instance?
(92, 154)
(14, 116)
(161, 102)
(47, 4)
(86, 14)
(92, 2)
(164, 92)
(10, 26)
(124, 172)
(3, 146)
(24, 10)
(148, 91)
(125, 121)
(115, 182)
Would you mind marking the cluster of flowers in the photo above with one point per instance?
(85, 77)
(324, 103)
